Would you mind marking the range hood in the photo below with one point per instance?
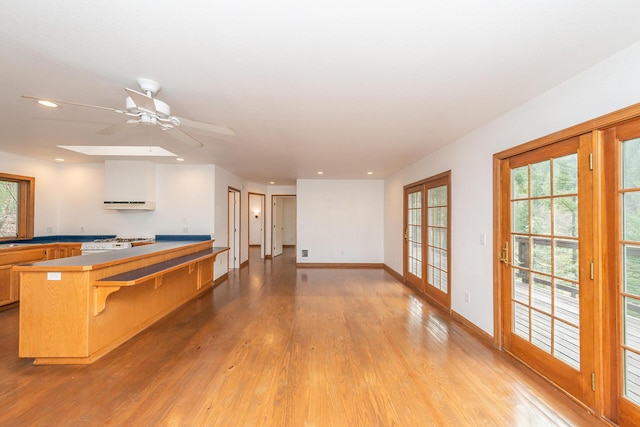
(129, 184)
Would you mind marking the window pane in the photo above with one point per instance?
(566, 259)
(541, 292)
(565, 216)
(520, 182)
(541, 330)
(566, 345)
(567, 303)
(630, 162)
(520, 216)
(632, 323)
(444, 284)
(541, 255)
(541, 216)
(521, 285)
(8, 209)
(632, 376)
(521, 320)
(565, 175)
(541, 179)
(631, 215)
(521, 251)
(631, 269)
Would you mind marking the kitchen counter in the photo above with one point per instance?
(75, 310)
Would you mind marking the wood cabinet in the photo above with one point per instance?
(76, 310)
(10, 256)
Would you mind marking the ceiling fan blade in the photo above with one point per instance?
(208, 127)
(142, 101)
(184, 137)
(77, 104)
(110, 130)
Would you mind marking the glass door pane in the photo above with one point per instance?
(437, 234)
(414, 233)
(630, 268)
(544, 238)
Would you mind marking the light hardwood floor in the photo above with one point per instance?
(279, 346)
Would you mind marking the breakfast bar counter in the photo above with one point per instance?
(75, 310)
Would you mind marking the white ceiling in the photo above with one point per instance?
(345, 87)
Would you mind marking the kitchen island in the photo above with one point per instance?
(75, 310)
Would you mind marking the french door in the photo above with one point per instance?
(427, 237)
(622, 186)
(546, 238)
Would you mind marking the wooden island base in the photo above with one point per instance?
(76, 310)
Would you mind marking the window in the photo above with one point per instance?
(16, 206)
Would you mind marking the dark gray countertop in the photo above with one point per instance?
(91, 261)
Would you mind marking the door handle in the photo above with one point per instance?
(406, 234)
(504, 255)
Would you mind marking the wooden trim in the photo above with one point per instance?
(429, 180)
(339, 265)
(399, 277)
(271, 224)
(598, 123)
(221, 279)
(245, 263)
(26, 205)
(473, 329)
(497, 246)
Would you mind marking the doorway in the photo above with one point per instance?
(427, 237)
(256, 221)
(233, 229)
(283, 223)
(546, 238)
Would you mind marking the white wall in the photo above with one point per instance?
(608, 86)
(340, 221)
(185, 197)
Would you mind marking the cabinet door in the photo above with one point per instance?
(6, 296)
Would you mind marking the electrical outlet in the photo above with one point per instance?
(82, 228)
(483, 239)
(49, 229)
(185, 229)
(467, 297)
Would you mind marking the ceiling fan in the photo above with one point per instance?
(145, 108)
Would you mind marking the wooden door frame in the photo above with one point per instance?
(603, 316)
(271, 224)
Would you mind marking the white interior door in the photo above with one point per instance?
(234, 232)
(278, 226)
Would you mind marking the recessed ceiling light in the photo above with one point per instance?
(46, 103)
(320, 172)
(119, 150)
(59, 159)
(272, 182)
(369, 173)
(179, 159)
